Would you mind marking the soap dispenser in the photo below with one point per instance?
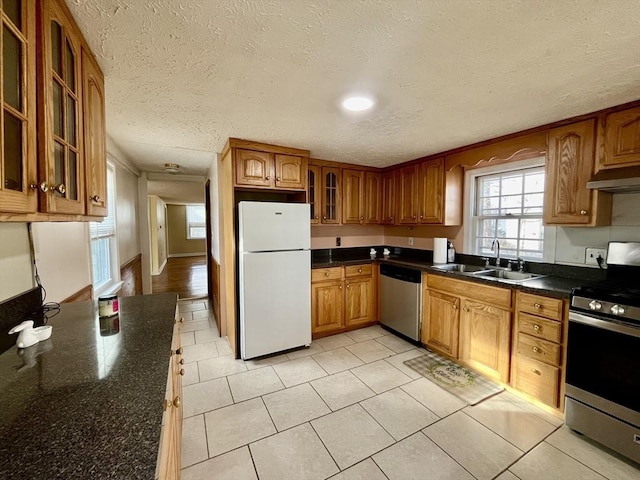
(451, 252)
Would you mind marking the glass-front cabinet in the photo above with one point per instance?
(331, 195)
(17, 98)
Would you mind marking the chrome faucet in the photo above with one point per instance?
(495, 246)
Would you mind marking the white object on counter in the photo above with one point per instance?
(373, 253)
(386, 252)
(439, 250)
(29, 335)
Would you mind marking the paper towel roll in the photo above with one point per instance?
(439, 250)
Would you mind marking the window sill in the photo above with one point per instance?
(109, 289)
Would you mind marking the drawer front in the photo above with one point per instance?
(358, 270)
(321, 274)
(540, 327)
(538, 305)
(547, 352)
(537, 379)
(497, 297)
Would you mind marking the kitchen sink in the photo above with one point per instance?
(506, 275)
(458, 267)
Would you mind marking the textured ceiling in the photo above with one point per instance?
(183, 76)
(176, 188)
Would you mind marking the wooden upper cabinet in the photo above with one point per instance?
(407, 190)
(430, 191)
(331, 195)
(372, 198)
(95, 143)
(388, 190)
(18, 157)
(621, 139)
(352, 196)
(61, 154)
(253, 168)
(290, 172)
(314, 193)
(570, 164)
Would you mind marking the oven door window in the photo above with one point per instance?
(604, 363)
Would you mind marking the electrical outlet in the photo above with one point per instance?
(411, 241)
(591, 256)
(337, 241)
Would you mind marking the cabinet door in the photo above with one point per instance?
(569, 167)
(290, 172)
(622, 139)
(313, 193)
(407, 195)
(352, 196)
(331, 200)
(372, 198)
(442, 322)
(60, 113)
(485, 334)
(327, 306)
(359, 305)
(95, 143)
(389, 198)
(254, 168)
(18, 156)
(430, 191)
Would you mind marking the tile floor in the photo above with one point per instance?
(347, 408)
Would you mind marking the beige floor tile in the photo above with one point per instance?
(209, 335)
(199, 351)
(297, 453)
(205, 396)
(399, 413)
(306, 351)
(480, 451)
(395, 343)
(351, 435)
(417, 457)
(266, 361)
(223, 346)
(365, 470)
(295, 372)
(237, 425)
(194, 441)
(507, 475)
(201, 314)
(235, 465)
(399, 359)
(516, 425)
(549, 463)
(187, 338)
(191, 374)
(341, 390)
(195, 325)
(186, 316)
(254, 383)
(439, 401)
(585, 451)
(337, 360)
(530, 407)
(294, 406)
(370, 351)
(193, 307)
(380, 376)
(334, 341)
(220, 367)
(367, 333)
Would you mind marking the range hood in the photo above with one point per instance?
(616, 180)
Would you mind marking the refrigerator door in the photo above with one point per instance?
(275, 302)
(269, 226)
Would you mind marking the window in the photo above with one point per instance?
(104, 247)
(196, 226)
(508, 207)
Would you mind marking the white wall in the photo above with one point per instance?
(127, 214)
(63, 257)
(215, 227)
(157, 233)
(15, 260)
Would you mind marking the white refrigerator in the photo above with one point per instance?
(275, 277)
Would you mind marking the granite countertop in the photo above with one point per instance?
(87, 403)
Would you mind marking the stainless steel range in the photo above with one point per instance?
(603, 355)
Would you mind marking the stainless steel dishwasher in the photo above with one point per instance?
(401, 299)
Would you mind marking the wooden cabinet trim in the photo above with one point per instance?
(500, 297)
(621, 139)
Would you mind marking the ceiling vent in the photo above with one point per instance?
(172, 168)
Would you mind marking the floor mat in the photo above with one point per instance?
(454, 378)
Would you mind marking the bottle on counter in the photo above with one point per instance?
(451, 252)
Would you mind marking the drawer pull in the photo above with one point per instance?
(181, 362)
(583, 212)
(536, 349)
(181, 372)
(466, 309)
(347, 285)
(537, 327)
(359, 270)
(536, 371)
(166, 404)
(177, 402)
(537, 305)
(326, 274)
(181, 320)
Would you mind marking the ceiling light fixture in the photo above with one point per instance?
(171, 167)
(357, 103)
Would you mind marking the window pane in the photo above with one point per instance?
(489, 206)
(72, 188)
(71, 120)
(531, 228)
(70, 68)
(12, 152)
(56, 47)
(487, 227)
(57, 108)
(511, 185)
(101, 259)
(58, 151)
(490, 187)
(534, 182)
(512, 204)
(197, 232)
(507, 228)
(13, 10)
(12, 68)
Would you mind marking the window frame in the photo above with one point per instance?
(190, 225)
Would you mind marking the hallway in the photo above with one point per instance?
(185, 275)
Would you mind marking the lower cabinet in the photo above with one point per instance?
(440, 331)
(342, 298)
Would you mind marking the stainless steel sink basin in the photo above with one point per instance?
(506, 275)
(458, 267)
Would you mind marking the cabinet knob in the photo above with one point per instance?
(583, 212)
(95, 198)
(324, 217)
(44, 188)
(537, 327)
(181, 320)
(179, 351)
(421, 217)
(61, 189)
(347, 285)
(316, 217)
(359, 270)
(414, 217)
(34, 186)
(166, 404)
(181, 362)
(466, 309)
(177, 402)
(277, 178)
(181, 372)
(455, 307)
(536, 349)
(536, 371)
(267, 177)
(537, 305)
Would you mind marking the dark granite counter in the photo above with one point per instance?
(87, 403)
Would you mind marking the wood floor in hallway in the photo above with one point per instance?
(185, 275)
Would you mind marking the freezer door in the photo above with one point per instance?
(269, 226)
(275, 302)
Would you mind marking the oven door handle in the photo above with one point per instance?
(598, 323)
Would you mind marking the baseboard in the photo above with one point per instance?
(172, 255)
(85, 293)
